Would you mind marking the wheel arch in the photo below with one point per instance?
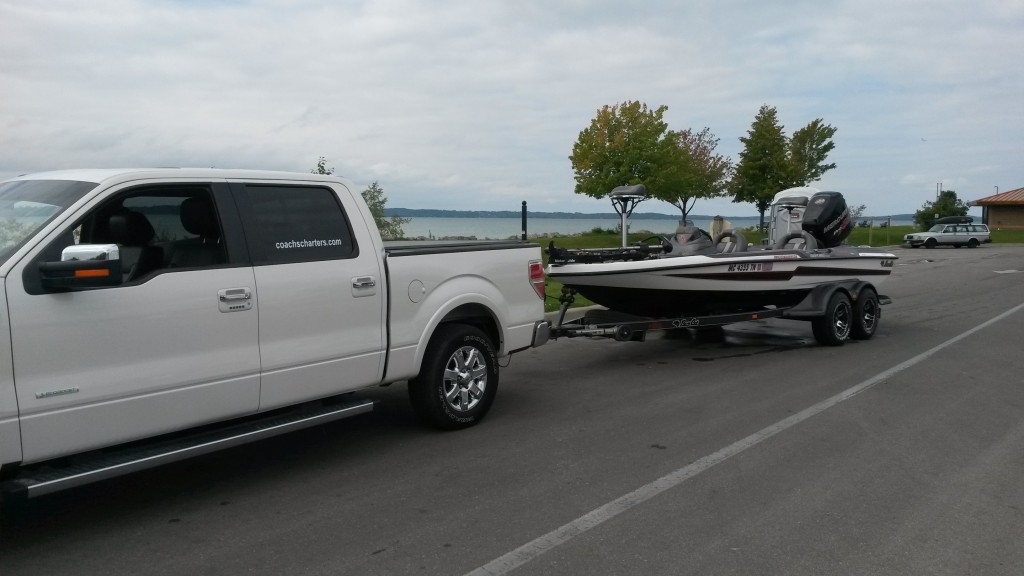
(478, 315)
(474, 311)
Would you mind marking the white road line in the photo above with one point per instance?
(509, 562)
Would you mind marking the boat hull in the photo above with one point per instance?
(719, 283)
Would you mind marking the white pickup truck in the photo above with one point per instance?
(150, 315)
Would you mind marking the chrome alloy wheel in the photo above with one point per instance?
(465, 378)
(869, 315)
(841, 320)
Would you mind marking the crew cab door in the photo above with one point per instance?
(162, 350)
(321, 291)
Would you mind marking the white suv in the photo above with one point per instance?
(956, 235)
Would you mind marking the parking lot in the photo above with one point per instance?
(762, 454)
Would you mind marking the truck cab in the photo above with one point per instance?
(142, 304)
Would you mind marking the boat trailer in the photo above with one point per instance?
(836, 310)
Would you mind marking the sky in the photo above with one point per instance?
(476, 104)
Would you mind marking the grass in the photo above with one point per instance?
(608, 239)
(1007, 236)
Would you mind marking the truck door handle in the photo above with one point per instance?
(234, 295)
(364, 282)
(234, 299)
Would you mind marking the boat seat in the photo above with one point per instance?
(689, 240)
(738, 243)
(800, 240)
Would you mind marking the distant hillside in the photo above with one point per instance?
(900, 217)
(427, 213)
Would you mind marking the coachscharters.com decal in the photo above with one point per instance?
(308, 244)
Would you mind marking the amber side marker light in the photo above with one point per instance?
(91, 273)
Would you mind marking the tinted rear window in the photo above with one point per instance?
(298, 224)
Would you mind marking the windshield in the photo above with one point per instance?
(28, 205)
(936, 228)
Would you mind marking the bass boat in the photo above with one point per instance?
(693, 274)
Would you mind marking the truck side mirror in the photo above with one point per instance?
(82, 266)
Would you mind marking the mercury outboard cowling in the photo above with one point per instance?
(827, 219)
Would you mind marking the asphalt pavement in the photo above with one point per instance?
(760, 454)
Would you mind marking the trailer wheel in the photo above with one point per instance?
(458, 380)
(833, 329)
(866, 315)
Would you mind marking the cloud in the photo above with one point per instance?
(476, 105)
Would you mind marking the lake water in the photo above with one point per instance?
(502, 228)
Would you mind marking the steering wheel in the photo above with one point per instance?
(665, 241)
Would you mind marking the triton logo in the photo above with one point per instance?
(685, 322)
(48, 394)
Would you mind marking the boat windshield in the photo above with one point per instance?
(28, 205)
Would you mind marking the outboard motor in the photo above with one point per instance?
(827, 219)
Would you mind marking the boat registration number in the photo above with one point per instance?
(751, 267)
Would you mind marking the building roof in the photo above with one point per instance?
(1012, 197)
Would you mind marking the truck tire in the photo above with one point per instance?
(458, 380)
(866, 314)
(833, 329)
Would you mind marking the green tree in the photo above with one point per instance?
(695, 170)
(947, 204)
(321, 167)
(630, 143)
(625, 144)
(763, 168)
(390, 228)
(808, 149)
(770, 162)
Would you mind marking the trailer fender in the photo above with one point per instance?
(813, 305)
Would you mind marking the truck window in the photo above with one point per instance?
(157, 228)
(297, 224)
(28, 205)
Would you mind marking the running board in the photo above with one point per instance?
(116, 462)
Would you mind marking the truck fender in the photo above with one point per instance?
(467, 299)
(471, 308)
